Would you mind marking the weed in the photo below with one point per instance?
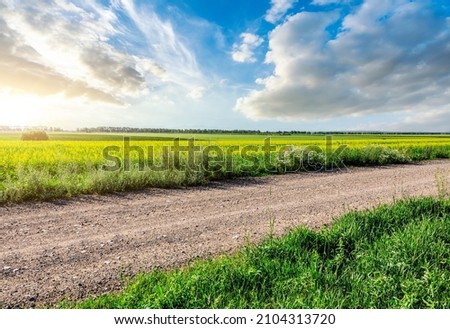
(395, 256)
(442, 183)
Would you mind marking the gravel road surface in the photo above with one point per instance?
(71, 249)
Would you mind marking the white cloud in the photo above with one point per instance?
(84, 50)
(244, 53)
(278, 9)
(65, 48)
(434, 120)
(196, 93)
(380, 62)
(164, 44)
(26, 66)
(327, 2)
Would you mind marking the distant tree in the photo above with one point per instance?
(34, 135)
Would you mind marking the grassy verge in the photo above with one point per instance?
(395, 256)
(47, 179)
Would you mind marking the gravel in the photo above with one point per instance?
(72, 249)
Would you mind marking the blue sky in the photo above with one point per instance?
(269, 65)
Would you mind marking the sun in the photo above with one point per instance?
(15, 109)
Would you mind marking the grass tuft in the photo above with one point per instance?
(395, 256)
(44, 178)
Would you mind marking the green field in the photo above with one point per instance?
(394, 256)
(70, 164)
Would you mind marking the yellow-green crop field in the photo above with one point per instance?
(79, 163)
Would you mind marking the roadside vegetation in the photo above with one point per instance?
(34, 135)
(67, 165)
(395, 256)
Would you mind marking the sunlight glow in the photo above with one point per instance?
(17, 109)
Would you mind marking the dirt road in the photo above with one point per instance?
(72, 249)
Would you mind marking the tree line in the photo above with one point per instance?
(242, 131)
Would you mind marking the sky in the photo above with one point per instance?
(311, 65)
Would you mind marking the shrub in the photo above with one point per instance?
(34, 135)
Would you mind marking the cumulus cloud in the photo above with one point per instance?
(43, 81)
(21, 71)
(388, 56)
(244, 52)
(196, 93)
(83, 50)
(112, 68)
(278, 9)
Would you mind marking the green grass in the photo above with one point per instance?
(70, 164)
(395, 256)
